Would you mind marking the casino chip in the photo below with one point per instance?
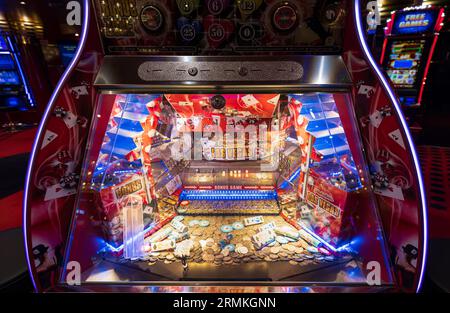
(237, 225)
(59, 112)
(69, 181)
(226, 228)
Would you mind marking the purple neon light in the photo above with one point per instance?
(391, 94)
(40, 131)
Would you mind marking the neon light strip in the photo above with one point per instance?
(120, 248)
(427, 68)
(22, 75)
(397, 107)
(313, 234)
(40, 133)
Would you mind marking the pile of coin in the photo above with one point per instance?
(211, 245)
(205, 207)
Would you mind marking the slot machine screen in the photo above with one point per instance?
(67, 51)
(404, 62)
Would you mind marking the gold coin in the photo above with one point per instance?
(170, 257)
(275, 250)
(290, 248)
(299, 250)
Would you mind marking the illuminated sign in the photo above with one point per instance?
(128, 188)
(414, 22)
(323, 204)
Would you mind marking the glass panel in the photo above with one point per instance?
(226, 187)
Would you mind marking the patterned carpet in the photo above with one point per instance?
(435, 162)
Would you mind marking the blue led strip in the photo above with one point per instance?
(40, 133)
(387, 87)
(22, 75)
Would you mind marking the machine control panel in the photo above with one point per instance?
(220, 71)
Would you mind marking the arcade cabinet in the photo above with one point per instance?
(224, 145)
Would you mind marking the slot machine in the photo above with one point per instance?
(15, 93)
(224, 146)
(410, 39)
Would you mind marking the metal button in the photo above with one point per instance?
(193, 71)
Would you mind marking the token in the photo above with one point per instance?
(170, 257)
(312, 249)
(273, 256)
(281, 239)
(204, 223)
(329, 258)
(292, 262)
(237, 225)
(242, 250)
(309, 256)
(226, 228)
(275, 250)
(219, 256)
(193, 223)
(290, 248)
(298, 250)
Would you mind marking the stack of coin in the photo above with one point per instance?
(211, 245)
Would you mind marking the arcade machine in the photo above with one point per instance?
(224, 145)
(410, 38)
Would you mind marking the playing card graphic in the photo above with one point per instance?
(397, 137)
(274, 100)
(70, 119)
(366, 90)
(78, 91)
(392, 191)
(250, 101)
(48, 137)
(376, 118)
(56, 191)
